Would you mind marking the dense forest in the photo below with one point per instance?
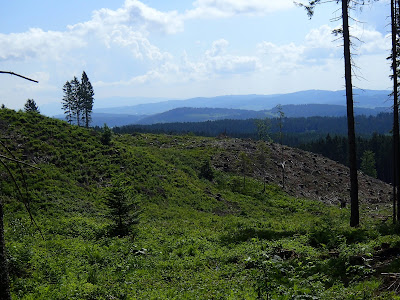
(294, 128)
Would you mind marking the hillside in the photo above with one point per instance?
(190, 114)
(363, 98)
(203, 233)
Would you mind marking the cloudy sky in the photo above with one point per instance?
(183, 48)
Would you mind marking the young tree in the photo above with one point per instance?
(344, 31)
(123, 209)
(368, 164)
(87, 99)
(30, 106)
(263, 129)
(106, 135)
(280, 123)
(262, 156)
(206, 170)
(244, 165)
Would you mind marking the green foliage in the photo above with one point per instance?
(123, 209)
(245, 166)
(206, 170)
(196, 239)
(263, 129)
(368, 164)
(106, 135)
(30, 106)
(78, 100)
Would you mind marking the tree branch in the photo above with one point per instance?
(15, 74)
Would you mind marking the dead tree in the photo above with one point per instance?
(345, 32)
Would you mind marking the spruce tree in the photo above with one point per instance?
(344, 31)
(76, 100)
(87, 94)
(67, 102)
(30, 106)
(123, 208)
(394, 10)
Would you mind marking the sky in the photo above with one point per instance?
(179, 49)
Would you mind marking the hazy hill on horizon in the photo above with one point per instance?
(239, 107)
(151, 106)
(362, 98)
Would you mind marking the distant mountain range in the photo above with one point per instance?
(299, 104)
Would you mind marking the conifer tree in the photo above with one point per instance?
(345, 32)
(123, 208)
(67, 104)
(87, 94)
(78, 100)
(30, 106)
(394, 10)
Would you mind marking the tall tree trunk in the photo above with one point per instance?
(395, 112)
(355, 216)
(4, 280)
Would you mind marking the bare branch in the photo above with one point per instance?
(18, 161)
(15, 74)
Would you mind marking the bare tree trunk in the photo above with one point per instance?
(4, 280)
(355, 216)
(395, 112)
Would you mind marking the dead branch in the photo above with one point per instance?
(15, 74)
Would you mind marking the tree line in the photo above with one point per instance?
(296, 130)
(77, 101)
(376, 149)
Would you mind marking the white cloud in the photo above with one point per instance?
(217, 60)
(321, 37)
(218, 48)
(228, 8)
(135, 15)
(37, 43)
(285, 56)
(371, 41)
(127, 27)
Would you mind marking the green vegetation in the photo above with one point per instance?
(201, 234)
(368, 164)
(78, 101)
(30, 106)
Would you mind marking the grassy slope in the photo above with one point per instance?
(196, 239)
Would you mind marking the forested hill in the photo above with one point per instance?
(155, 216)
(363, 98)
(189, 114)
(382, 123)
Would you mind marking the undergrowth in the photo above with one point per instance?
(198, 237)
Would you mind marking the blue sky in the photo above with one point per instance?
(181, 49)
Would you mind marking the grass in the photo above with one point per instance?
(196, 239)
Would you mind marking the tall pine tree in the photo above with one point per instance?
(395, 58)
(78, 100)
(67, 105)
(87, 99)
(345, 32)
